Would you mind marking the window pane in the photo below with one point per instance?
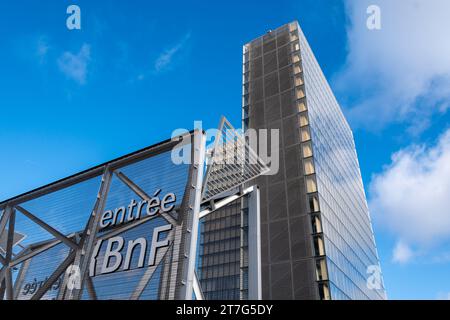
(301, 106)
(311, 185)
(305, 134)
(309, 166)
(307, 150)
(300, 94)
(303, 120)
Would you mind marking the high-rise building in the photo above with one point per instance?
(317, 240)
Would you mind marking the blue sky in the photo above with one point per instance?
(137, 70)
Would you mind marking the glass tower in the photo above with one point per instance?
(317, 240)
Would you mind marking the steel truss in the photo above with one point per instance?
(83, 245)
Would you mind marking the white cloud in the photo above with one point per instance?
(75, 66)
(411, 197)
(402, 253)
(165, 58)
(42, 48)
(401, 72)
(443, 257)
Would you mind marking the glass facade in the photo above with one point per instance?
(347, 230)
(223, 253)
(317, 238)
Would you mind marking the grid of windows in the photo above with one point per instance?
(318, 188)
(274, 98)
(348, 235)
(222, 245)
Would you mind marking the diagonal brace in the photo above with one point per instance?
(58, 235)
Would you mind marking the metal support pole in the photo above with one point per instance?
(84, 254)
(2, 283)
(4, 220)
(20, 278)
(254, 246)
(9, 247)
(197, 182)
(2, 260)
(91, 289)
(198, 288)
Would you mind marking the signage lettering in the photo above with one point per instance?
(135, 210)
(113, 257)
(31, 287)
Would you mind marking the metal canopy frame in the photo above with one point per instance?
(82, 243)
(152, 150)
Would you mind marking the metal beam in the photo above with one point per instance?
(190, 250)
(2, 286)
(222, 203)
(63, 286)
(55, 275)
(176, 254)
(2, 274)
(164, 281)
(148, 274)
(96, 171)
(23, 257)
(254, 246)
(36, 248)
(4, 220)
(58, 235)
(87, 242)
(198, 288)
(91, 289)
(214, 149)
(5, 272)
(20, 278)
(9, 285)
(9, 246)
